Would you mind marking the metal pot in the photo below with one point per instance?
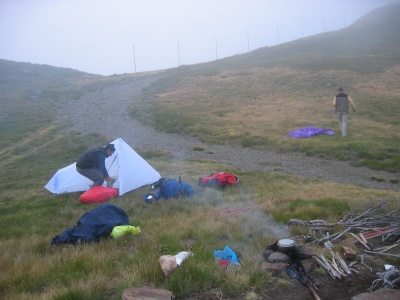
(286, 245)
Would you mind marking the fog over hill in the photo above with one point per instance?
(376, 33)
(122, 36)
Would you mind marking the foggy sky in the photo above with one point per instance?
(123, 36)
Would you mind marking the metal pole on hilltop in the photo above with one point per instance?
(134, 56)
(248, 42)
(277, 29)
(179, 56)
(216, 49)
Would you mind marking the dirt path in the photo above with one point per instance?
(105, 111)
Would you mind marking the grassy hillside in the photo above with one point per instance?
(256, 99)
(262, 204)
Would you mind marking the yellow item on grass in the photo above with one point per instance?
(119, 231)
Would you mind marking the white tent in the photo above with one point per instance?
(129, 169)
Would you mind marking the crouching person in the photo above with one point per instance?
(92, 164)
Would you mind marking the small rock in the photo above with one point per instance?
(146, 293)
(308, 264)
(267, 253)
(278, 257)
(272, 266)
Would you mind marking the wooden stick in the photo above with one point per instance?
(343, 264)
(381, 234)
(378, 233)
(334, 264)
(383, 254)
(340, 235)
(361, 242)
(321, 263)
(336, 267)
(390, 247)
(331, 269)
(365, 241)
(313, 292)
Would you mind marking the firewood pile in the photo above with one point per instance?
(379, 221)
(337, 268)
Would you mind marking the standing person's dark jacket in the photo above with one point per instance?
(341, 102)
(94, 158)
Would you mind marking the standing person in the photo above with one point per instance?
(92, 164)
(341, 103)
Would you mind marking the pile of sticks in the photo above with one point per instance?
(381, 220)
(336, 267)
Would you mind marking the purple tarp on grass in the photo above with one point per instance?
(307, 132)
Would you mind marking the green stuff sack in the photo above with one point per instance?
(119, 231)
